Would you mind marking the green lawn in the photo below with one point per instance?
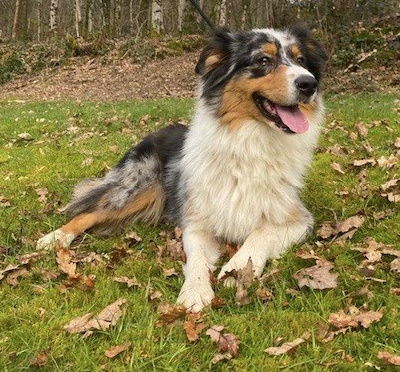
(70, 141)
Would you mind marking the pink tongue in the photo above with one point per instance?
(293, 118)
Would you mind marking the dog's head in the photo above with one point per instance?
(265, 75)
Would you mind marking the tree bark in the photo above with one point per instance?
(181, 14)
(20, 24)
(53, 17)
(157, 19)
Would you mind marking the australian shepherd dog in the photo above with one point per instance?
(235, 173)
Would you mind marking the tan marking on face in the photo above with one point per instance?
(212, 62)
(295, 51)
(270, 49)
(237, 105)
(309, 109)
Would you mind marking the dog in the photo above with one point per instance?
(235, 173)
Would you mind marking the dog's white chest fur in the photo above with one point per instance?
(236, 180)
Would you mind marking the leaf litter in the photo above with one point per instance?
(225, 342)
(318, 276)
(288, 347)
(90, 322)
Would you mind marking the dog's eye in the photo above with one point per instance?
(264, 60)
(300, 60)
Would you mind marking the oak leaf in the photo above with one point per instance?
(288, 347)
(112, 352)
(226, 342)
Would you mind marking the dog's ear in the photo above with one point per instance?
(216, 53)
(311, 48)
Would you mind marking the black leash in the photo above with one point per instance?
(203, 15)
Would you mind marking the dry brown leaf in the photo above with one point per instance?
(7, 270)
(337, 167)
(391, 190)
(354, 222)
(397, 142)
(387, 163)
(112, 352)
(130, 282)
(326, 230)
(42, 193)
(362, 129)
(317, 276)
(389, 358)
(343, 320)
(362, 162)
(169, 313)
(12, 277)
(288, 347)
(40, 359)
(169, 272)
(395, 265)
(217, 302)
(107, 318)
(65, 264)
(193, 325)
(264, 295)
(244, 278)
(218, 357)
(132, 238)
(226, 342)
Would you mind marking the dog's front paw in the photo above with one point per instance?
(54, 239)
(195, 295)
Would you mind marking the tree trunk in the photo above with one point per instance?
(78, 18)
(222, 13)
(20, 24)
(157, 22)
(181, 14)
(39, 19)
(53, 17)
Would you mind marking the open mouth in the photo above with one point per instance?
(289, 119)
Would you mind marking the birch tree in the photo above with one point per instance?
(53, 16)
(157, 19)
(78, 18)
(181, 14)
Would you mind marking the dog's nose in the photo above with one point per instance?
(306, 84)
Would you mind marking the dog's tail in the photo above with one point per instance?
(134, 189)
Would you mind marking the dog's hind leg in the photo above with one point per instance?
(132, 190)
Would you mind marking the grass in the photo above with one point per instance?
(71, 141)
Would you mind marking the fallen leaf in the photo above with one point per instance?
(264, 295)
(107, 318)
(354, 222)
(132, 238)
(391, 190)
(362, 129)
(40, 359)
(326, 230)
(169, 272)
(130, 282)
(389, 358)
(112, 352)
(362, 162)
(318, 276)
(217, 302)
(397, 142)
(88, 161)
(337, 167)
(395, 265)
(227, 342)
(65, 264)
(366, 318)
(244, 278)
(42, 193)
(193, 325)
(218, 357)
(12, 277)
(387, 163)
(169, 313)
(288, 347)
